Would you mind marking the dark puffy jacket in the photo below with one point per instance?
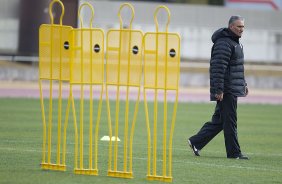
(226, 64)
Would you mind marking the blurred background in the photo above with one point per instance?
(194, 20)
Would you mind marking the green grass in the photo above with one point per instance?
(260, 136)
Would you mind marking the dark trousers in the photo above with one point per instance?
(224, 118)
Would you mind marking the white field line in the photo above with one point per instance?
(217, 165)
(247, 153)
(174, 161)
(145, 147)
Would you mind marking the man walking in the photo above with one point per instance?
(227, 82)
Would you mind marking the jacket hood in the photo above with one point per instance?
(223, 33)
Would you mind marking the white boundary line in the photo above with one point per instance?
(174, 161)
(174, 148)
(217, 165)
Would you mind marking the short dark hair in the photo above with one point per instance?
(233, 18)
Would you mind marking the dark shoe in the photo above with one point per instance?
(193, 148)
(240, 157)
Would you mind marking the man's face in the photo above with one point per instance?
(237, 27)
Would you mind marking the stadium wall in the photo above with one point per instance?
(262, 39)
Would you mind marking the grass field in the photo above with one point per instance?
(260, 136)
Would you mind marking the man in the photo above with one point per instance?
(227, 82)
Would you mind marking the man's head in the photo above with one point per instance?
(236, 25)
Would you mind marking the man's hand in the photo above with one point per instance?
(246, 90)
(219, 97)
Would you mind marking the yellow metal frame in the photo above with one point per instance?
(120, 75)
(161, 83)
(123, 70)
(53, 66)
(89, 60)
